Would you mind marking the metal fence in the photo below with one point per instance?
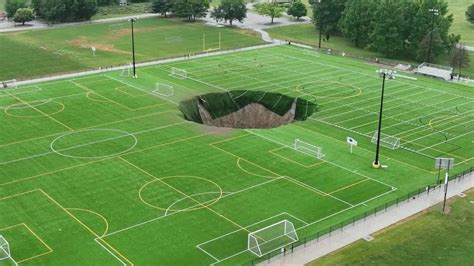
(325, 233)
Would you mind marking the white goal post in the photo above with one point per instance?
(5, 254)
(308, 149)
(127, 71)
(8, 84)
(272, 237)
(178, 73)
(386, 140)
(163, 89)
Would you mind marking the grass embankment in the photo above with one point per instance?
(113, 11)
(2, 5)
(460, 24)
(432, 238)
(52, 51)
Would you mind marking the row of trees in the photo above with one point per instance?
(189, 9)
(394, 28)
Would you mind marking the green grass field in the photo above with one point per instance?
(46, 52)
(432, 238)
(2, 5)
(460, 24)
(102, 169)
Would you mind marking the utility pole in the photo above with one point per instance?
(132, 21)
(385, 74)
(434, 12)
(320, 21)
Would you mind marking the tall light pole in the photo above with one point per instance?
(132, 21)
(320, 21)
(385, 74)
(434, 12)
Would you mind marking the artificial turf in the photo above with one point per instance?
(99, 169)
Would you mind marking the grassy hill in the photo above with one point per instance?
(432, 238)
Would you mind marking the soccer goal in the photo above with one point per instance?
(386, 140)
(272, 237)
(5, 255)
(178, 73)
(8, 84)
(127, 71)
(308, 149)
(164, 90)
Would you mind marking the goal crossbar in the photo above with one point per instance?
(308, 149)
(386, 140)
(178, 73)
(163, 89)
(272, 237)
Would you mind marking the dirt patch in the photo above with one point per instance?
(83, 42)
(253, 115)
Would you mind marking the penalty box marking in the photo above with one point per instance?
(274, 152)
(40, 240)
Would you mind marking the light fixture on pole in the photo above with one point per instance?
(385, 74)
(320, 21)
(132, 21)
(434, 12)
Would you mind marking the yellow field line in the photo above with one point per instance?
(86, 227)
(43, 113)
(106, 223)
(448, 119)
(184, 194)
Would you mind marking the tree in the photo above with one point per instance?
(470, 14)
(190, 9)
(23, 15)
(297, 10)
(218, 14)
(431, 45)
(11, 6)
(459, 58)
(83, 9)
(162, 6)
(233, 10)
(326, 15)
(272, 10)
(356, 19)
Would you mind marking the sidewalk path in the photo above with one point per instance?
(372, 224)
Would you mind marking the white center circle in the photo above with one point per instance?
(61, 152)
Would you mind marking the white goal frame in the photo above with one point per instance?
(127, 71)
(8, 84)
(259, 242)
(309, 149)
(163, 89)
(178, 73)
(5, 253)
(386, 140)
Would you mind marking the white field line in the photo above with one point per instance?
(52, 99)
(110, 252)
(174, 213)
(451, 139)
(374, 76)
(445, 120)
(20, 91)
(404, 113)
(430, 114)
(90, 143)
(193, 195)
(209, 254)
(329, 162)
(424, 136)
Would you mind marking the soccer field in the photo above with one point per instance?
(101, 169)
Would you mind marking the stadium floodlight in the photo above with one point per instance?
(320, 22)
(272, 237)
(5, 251)
(443, 163)
(385, 74)
(434, 12)
(132, 21)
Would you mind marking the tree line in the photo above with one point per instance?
(415, 29)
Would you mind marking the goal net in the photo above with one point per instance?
(271, 238)
(178, 73)
(309, 149)
(5, 255)
(127, 71)
(8, 84)
(164, 90)
(387, 140)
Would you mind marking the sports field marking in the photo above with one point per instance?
(106, 223)
(61, 109)
(88, 96)
(120, 89)
(348, 186)
(22, 90)
(184, 194)
(249, 172)
(444, 121)
(41, 112)
(201, 205)
(48, 248)
(169, 209)
(274, 152)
